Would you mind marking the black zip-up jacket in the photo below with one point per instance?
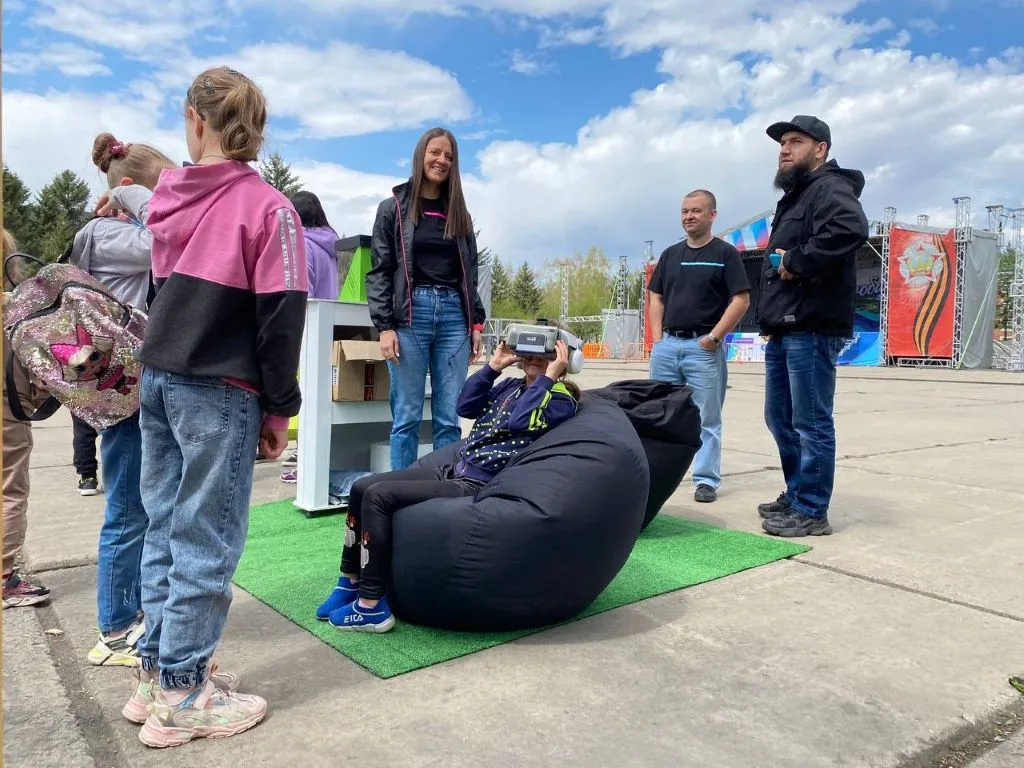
(821, 226)
(389, 281)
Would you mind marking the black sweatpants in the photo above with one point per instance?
(84, 446)
(373, 502)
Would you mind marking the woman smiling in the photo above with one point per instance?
(422, 294)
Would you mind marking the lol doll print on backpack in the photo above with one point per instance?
(72, 334)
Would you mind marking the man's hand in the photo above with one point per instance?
(783, 272)
(477, 345)
(389, 345)
(503, 357)
(273, 442)
(707, 344)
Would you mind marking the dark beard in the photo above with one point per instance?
(788, 179)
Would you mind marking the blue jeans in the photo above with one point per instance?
(438, 341)
(199, 435)
(684, 361)
(800, 388)
(118, 592)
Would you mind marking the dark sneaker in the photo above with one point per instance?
(291, 461)
(19, 593)
(773, 508)
(704, 493)
(88, 486)
(793, 523)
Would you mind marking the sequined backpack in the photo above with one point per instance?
(75, 337)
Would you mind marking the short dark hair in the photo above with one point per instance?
(311, 213)
(707, 194)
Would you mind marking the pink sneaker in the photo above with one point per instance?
(205, 713)
(146, 684)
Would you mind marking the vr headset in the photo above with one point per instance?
(539, 341)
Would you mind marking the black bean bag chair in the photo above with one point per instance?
(538, 544)
(668, 423)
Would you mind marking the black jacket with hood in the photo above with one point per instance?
(389, 281)
(820, 224)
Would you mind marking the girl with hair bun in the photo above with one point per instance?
(220, 355)
(115, 249)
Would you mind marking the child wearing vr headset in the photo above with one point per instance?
(509, 414)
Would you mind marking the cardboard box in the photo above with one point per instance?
(358, 372)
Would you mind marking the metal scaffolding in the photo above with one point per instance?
(883, 296)
(962, 235)
(1016, 296)
(563, 279)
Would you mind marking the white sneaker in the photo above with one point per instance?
(118, 651)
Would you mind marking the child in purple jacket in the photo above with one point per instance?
(509, 415)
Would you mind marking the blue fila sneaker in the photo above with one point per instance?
(342, 595)
(355, 618)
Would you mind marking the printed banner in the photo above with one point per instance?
(865, 348)
(921, 273)
(744, 348)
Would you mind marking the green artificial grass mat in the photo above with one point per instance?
(290, 563)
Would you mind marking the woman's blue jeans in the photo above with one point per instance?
(439, 342)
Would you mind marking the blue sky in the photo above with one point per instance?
(921, 96)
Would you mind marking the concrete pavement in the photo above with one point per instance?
(881, 646)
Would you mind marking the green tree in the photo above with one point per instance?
(59, 212)
(17, 209)
(484, 254)
(1004, 304)
(278, 174)
(501, 282)
(525, 292)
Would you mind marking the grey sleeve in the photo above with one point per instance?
(134, 198)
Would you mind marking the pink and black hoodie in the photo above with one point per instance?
(229, 264)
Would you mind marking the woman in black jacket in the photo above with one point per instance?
(422, 292)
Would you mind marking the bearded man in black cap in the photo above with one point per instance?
(806, 309)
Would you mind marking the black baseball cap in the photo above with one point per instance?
(808, 124)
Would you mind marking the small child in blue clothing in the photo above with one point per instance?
(509, 415)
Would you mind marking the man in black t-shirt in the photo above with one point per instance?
(698, 293)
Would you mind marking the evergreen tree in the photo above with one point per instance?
(501, 282)
(59, 212)
(525, 291)
(278, 174)
(17, 209)
(483, 255)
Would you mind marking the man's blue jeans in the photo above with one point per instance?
(800, 388)
(685, 361)
(199, 435)
(438, 341)
(118, 591)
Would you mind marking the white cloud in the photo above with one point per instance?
(529, 64)
(48, 132)
(147, 30)
(342, 89)
(67, 58)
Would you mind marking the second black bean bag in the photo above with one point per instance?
(539, 543)
(668, 423)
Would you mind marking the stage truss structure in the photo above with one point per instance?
(962, 235)
(888, 218)
(1016, 294)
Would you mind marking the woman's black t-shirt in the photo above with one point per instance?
(435, 259)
